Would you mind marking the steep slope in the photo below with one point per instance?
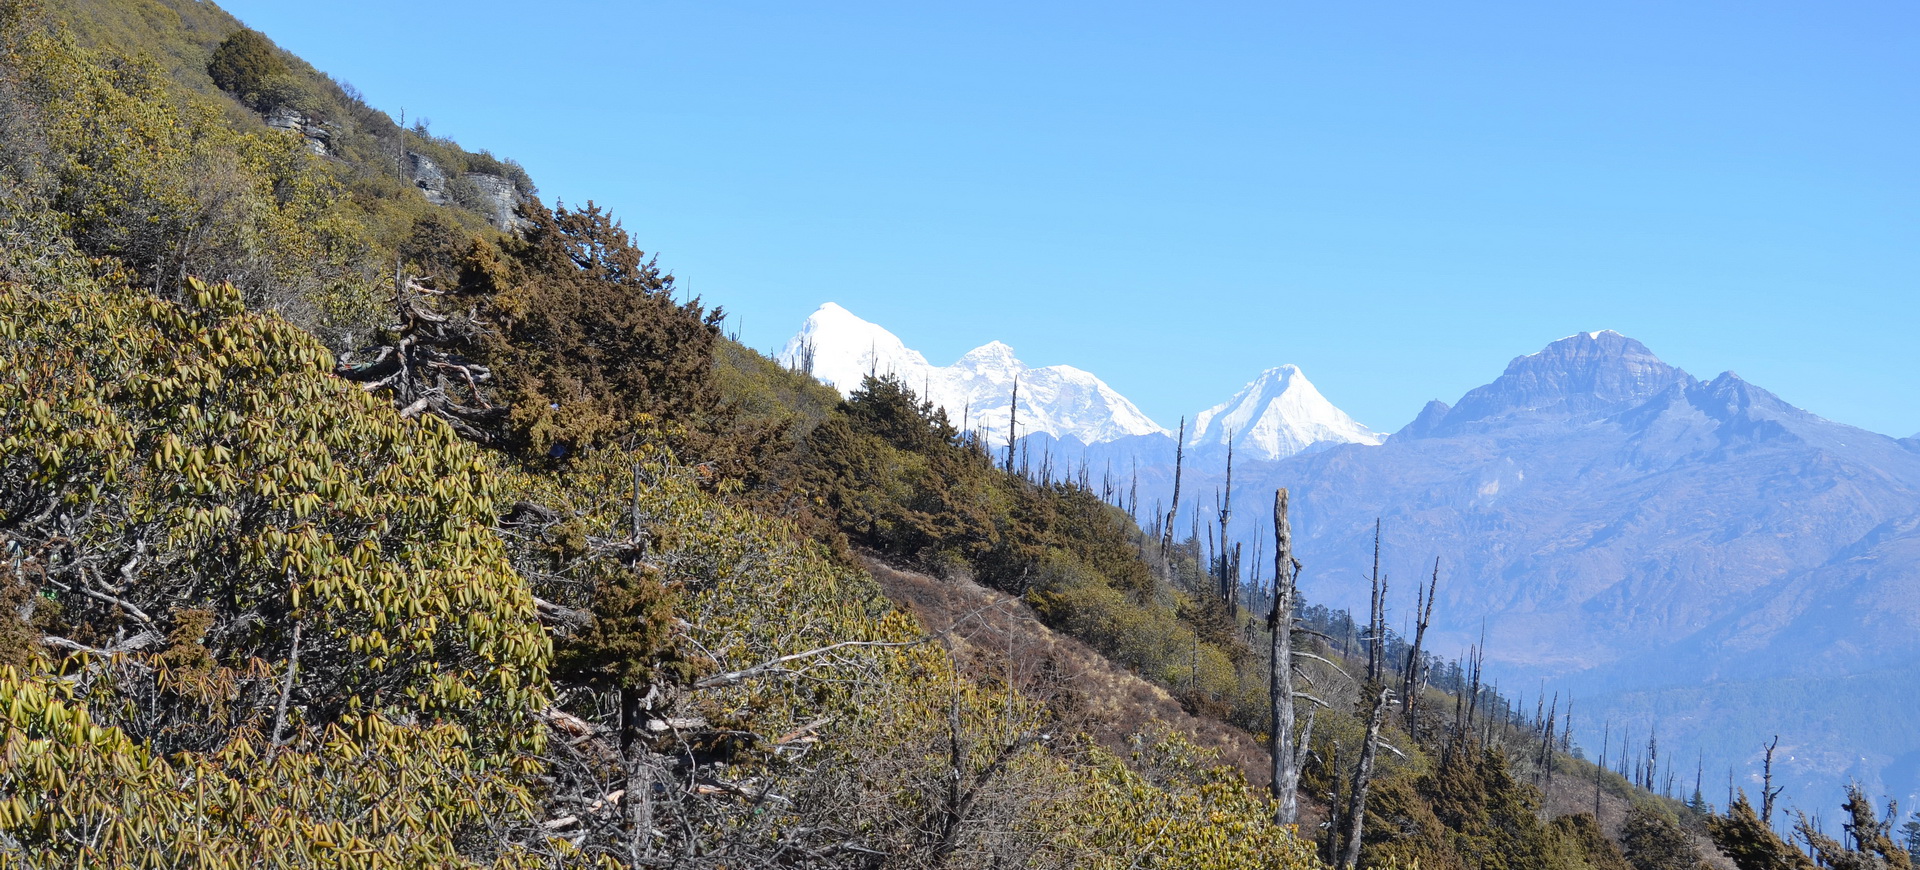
(1278, 415)
(1005, 633)
(976, 391)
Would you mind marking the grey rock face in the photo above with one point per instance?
(492, 196)
(429, 177)
(497, 198)
(319, 137)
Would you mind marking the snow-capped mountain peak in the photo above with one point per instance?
(992, 358)
(1278, 415)
(840, 349)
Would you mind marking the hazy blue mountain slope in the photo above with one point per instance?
(1649, 541)
(1593, 503)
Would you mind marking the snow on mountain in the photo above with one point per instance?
(840, 349)
(1277, 416)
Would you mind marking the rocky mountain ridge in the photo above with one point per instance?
(1617, 527)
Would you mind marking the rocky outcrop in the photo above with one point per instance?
(318, 135)
(492, 196)
(496, 198)
(428, 177)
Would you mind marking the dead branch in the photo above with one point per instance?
(735, 677)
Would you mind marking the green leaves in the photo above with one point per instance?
(243, 64)
(202, 463)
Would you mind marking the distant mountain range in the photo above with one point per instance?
(1663, 546)
(977, 391)
(1278, 415)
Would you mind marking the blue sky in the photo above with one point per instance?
(1397, 197)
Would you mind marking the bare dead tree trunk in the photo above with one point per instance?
(1566, 728)
(1331, 850)
(1653, 757)
(1599, 772)
(1013, 422)
(1410, 686)
(1363, 778)
(1233, 585)
(1767, 791)
(1546, 739)
(1133, 492)
(1699, 771)
(1475, 656)
(1166, 529)
(1213, 555)
(286, 686)
(639, 785)
(1376, 617)
(1286, 758)
(1226, 581)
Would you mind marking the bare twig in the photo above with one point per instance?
(734, 677)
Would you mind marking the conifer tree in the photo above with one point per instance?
(1744, 837)
(1872, 846)
(243, 63)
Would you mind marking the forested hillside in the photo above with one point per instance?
(357, 515)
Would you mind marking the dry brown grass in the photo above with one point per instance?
(998, 637)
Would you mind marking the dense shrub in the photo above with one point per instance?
(249, 586)
(243, 65)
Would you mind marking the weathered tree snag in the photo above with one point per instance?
(1013, 422)
(1599, 770)
(1476, 655)
(1166, 533)
(1363, 777)
(636, 756)
(1286, 758)
(1377, 695)
(423, 368)
(1767, 791)
(1133, 492)
(286, 685)
(1411, 684)
(1376, 617)
(1546, 739)
(1224, 570)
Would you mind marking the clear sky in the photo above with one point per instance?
(1398, 197)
